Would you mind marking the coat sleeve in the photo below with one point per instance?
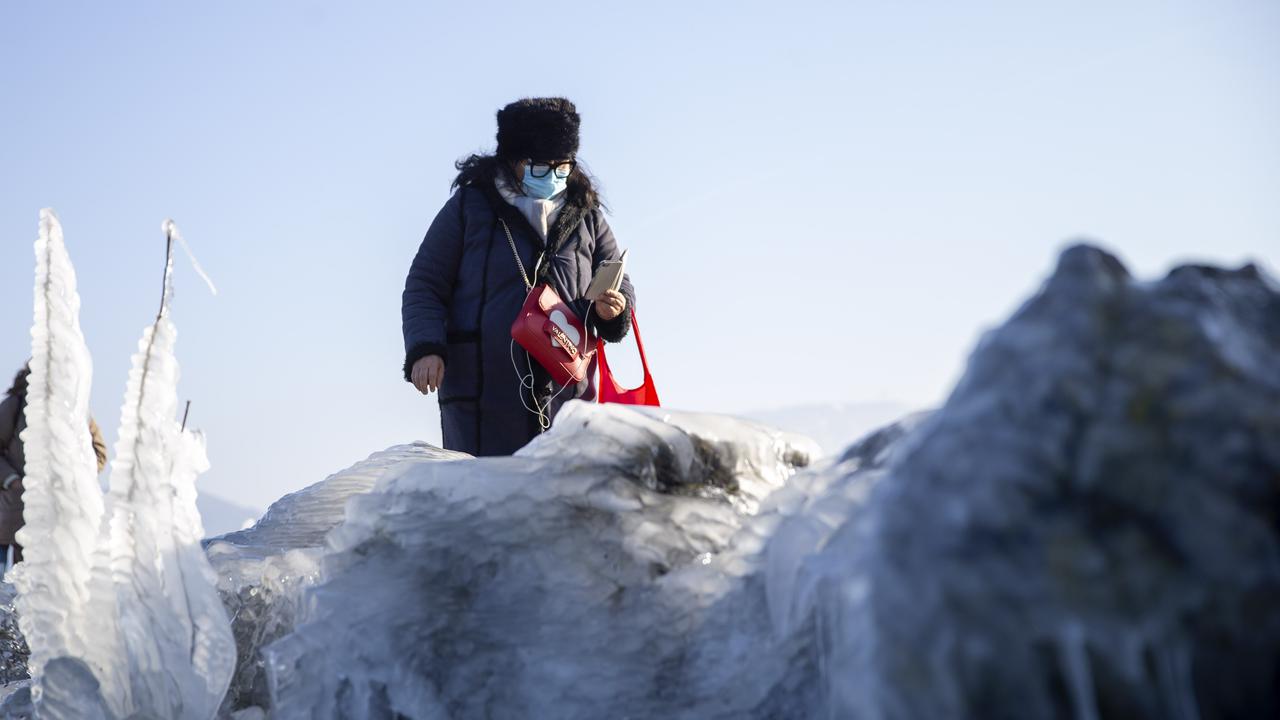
(428, 291)
(607, 249)
(8, 414)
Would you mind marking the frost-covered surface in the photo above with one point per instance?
(119, 607)
(63, 501)
(1087, 529)
(539, 585)
(302, 519)
(264, 570)
(175, 652)
(799, 520)
(13, 647)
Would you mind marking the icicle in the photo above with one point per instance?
(175, 633)
(63, 503)
(171, 230)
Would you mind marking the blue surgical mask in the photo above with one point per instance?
(543, 188)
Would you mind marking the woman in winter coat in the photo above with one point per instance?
(465, 288)
(13, 420)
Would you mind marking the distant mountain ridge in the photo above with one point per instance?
(223, 516)
(833, 426)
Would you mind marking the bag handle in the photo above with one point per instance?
(635, 328)
(611, 391)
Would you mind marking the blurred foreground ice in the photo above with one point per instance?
(1087, 529)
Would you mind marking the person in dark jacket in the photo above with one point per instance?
(13, 421)
(465, 288)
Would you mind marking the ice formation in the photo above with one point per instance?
(120, 608)
(545, 584)
(176, 650)
(1085, 530)
(1082, 532)
(263, 571)
(63, 501)
(13, 647)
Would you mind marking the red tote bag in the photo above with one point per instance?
(612, 392)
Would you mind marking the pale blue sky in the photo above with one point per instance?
(825, 202)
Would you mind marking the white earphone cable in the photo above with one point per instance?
(526, 381)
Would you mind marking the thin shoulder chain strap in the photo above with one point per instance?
(526, 380)
(512, 242)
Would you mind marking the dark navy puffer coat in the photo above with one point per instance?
(464, 291)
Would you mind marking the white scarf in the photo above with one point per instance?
(541, 213)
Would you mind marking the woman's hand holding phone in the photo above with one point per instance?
(610, 304)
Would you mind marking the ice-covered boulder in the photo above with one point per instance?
(263, 571)
(1087, 529)
(548, 584)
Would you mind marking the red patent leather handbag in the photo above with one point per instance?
(612, 392)
(549, 331)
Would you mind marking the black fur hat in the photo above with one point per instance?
(539, 129)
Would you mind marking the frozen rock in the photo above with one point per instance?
(15, 701)
(263, 570)
(1088, 528)
(548, 584)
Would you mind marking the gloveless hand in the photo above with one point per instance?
(428, 373)
(610, 304)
